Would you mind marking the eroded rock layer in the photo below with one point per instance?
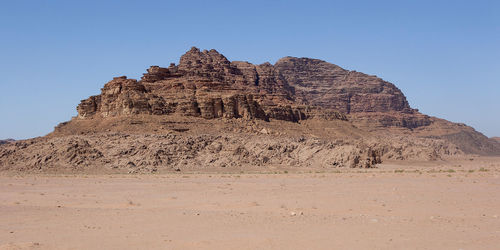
(208, 85)
(210, 112)
(320, 83)
(205, 84)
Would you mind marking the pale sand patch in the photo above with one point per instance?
(380, 209)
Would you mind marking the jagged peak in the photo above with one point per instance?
(291, 80)
(304, 60)
(266, 64)
(197, 52)
(195, 56)
(193, 49)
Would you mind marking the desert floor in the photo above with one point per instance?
(411, 206)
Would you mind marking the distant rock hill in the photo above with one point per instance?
(6, 141)
(210, 112)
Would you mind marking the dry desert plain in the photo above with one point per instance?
(419, 205)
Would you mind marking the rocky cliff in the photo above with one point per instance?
(323, 84)
(207, 85)
(207, 111)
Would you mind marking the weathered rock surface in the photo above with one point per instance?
(208, 85)
(6, 141)
(323, 84)
(209, 112)
(116, 152)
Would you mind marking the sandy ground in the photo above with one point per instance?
(420, 207)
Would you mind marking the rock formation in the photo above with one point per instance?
(6, 141)
(210, 112)
(206, 84)
(319, 83)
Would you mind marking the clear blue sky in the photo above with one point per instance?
(444, 55)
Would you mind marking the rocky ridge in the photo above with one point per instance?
(207, 85)
(150, 153)
(209, 113)
(6, 141)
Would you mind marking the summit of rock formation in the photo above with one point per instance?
(207, 85)
(207, 111)
(327, 85)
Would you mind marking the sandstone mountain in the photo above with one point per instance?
(207, 85)
(209, 112)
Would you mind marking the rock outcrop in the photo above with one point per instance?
(116, 152)
(6, 141)
(323, 84)
(207, 85)
(210, 112)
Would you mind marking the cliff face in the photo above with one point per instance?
(207, 85)
(319, 83)
(298, 112)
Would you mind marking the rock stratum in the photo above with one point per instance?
(206, 84)
(208, 112)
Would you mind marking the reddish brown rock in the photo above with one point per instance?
(319, 83)
(120, 96)
(390, 119)
(299, 112)
(208, 85)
